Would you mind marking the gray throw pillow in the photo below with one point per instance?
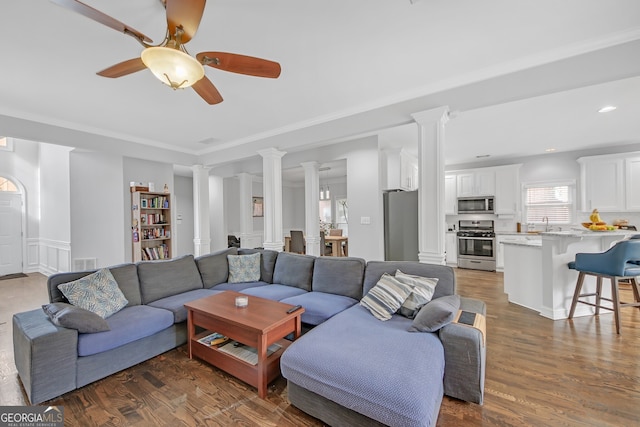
(422, 292)
(72, 317)
(436, 314)
(386, 297)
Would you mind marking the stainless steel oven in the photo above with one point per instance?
(476, 245)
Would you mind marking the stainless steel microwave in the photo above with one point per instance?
(475, 205)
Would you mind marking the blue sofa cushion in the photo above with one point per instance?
(238, 287)
(214, 268)
(378, 369)
(175, 303)
(267, 262)
(320, 306)
(294, 270)
(160, 279)
(274, 292)
(340, 276)
(127, 325)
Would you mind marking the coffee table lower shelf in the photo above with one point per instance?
(237, 367)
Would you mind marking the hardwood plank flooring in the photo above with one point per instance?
(539, 373)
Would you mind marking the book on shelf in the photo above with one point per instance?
(246, 353)
(214, 339)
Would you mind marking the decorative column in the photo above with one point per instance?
(431, 212)
(246, 213)
(272, 193)
(218, 232)
(201, 233)
(311, 208)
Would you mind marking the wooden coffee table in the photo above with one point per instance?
(262, 323)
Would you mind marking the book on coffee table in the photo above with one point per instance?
(246, 353)
(214, 339)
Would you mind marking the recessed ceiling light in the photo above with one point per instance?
(549, 150)
(607, 109)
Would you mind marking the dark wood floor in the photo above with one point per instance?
(539, 373)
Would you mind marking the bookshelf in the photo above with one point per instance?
(150, 225)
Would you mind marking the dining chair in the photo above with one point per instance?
(335, 232)
(324, 249)
(297, 244)
(620, 263)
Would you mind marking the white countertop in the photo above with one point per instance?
(589, 233)
(532, 242)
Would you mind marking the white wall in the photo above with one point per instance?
(143, 171)
(183, 221)
(293, 217)
(55, 240)
(97, 222)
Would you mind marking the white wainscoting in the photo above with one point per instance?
(54, 256)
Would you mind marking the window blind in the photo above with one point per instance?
(551, 201)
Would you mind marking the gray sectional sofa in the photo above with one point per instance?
(349, 369)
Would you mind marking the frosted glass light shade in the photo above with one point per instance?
(172, 67)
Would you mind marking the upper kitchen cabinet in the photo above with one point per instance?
(476, 183)
(507, 194)
(603, 183)
(450, 195)
(401, 170)
(632, 183)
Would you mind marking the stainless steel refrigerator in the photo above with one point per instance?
(401, 225)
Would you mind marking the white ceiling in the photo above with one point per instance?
(520, 76)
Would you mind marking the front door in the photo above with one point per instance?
(10, 233)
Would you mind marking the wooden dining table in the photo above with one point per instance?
(337, 243)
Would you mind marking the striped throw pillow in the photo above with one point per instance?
(421, 293)
(386, 297)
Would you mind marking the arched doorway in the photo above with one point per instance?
(10, 227)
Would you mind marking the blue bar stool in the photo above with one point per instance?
(620, 263)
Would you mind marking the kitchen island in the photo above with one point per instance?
(536, 275)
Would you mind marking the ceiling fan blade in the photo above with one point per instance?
(187, 13)
(123, 68)
(240, 64)
(102, 18)
(207, 91)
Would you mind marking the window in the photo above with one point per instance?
(551, 200)
(6, 144)
(6, 185)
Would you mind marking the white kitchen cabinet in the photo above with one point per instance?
(507, 194)
(476, 183)
(451, 248)
(632, 183)
(450, 195)
(603, 183)
(500, 239)
(401, 170)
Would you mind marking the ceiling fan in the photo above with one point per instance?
(169, 60)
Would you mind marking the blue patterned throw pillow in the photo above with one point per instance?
(386, 297)
(97, 292)
(244, 268)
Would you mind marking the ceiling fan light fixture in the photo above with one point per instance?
(172, 66)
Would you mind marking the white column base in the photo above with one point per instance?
(313, 245)
(432, 258)
(274, 246)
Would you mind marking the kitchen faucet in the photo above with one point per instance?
(546, 221)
